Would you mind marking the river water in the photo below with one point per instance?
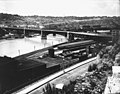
(16, 47)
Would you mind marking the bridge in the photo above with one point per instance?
(70, 35)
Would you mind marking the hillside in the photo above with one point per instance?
(60, 23)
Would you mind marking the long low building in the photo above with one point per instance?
(76, 44)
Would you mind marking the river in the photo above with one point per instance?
(16, 47)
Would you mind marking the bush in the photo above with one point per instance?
(92, 67)
(49, 89)
(89, 68)
(67, 89)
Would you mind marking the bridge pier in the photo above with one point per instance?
(25, 33)
(67, 35)
(43, 35)
(54, 34)
(70, 36)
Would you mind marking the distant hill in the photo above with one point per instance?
(45, 20)
(61, 23)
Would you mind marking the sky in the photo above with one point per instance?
(61, 7)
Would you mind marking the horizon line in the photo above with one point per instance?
(63, 15)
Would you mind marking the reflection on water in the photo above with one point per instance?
(17, 47)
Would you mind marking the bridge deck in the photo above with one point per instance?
(92, 34)
(59, 31)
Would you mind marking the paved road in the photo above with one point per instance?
(67, 77)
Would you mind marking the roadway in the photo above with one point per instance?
(59, 31)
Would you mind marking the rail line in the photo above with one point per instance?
(33, 87)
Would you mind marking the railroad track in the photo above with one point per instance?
(36, 85)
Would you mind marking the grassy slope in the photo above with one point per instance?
(68, 22)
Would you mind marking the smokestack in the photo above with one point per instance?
(51, 52)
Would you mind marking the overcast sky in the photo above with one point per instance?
(61, 7)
